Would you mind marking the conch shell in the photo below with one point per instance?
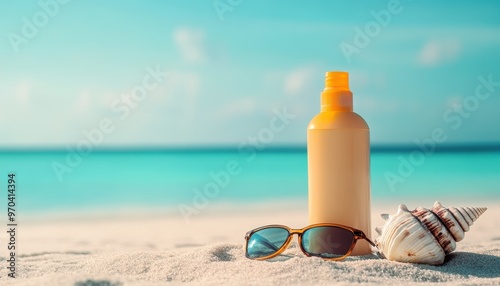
(423, 235)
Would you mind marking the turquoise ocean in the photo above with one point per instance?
(165, 179)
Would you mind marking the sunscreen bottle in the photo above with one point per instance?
(338, 154)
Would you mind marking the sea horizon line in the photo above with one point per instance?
(302, 148)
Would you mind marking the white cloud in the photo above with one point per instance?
(299, 79)
(189, 85)
(83, 102)
(370, 104)
(470, 34)
(191, 44)
(454, 102)
(436, 52)
(361, 79)
(22, 92)
(181, 89)
(106, 97)
(237, 108)
(173, 115)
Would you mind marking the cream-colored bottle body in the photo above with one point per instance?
(339, 177)
(338, 153)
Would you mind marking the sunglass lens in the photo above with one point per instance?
(266, 242)
(327, 241)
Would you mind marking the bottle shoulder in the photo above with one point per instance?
(337, 120)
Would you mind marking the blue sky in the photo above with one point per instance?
(228, 71)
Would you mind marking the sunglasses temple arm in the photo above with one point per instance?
(265, 242)
(363, 235)
(377, 251)
(369, 241)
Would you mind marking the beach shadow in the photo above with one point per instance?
(294, 251)
(471, 264)
(282, 257)
(222, 253)
(182, 245)
(55, 252)
(285, 257)
(97, 283)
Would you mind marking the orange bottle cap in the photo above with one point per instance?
(336, 96)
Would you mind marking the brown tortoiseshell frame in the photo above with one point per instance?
(358, 234)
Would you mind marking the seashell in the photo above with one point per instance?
(424, 235)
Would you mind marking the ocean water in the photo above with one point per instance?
(47, 182)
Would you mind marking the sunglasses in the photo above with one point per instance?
(326, 240)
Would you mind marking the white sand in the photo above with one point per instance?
(161, 249)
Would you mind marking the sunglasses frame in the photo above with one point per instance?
(358, 234)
